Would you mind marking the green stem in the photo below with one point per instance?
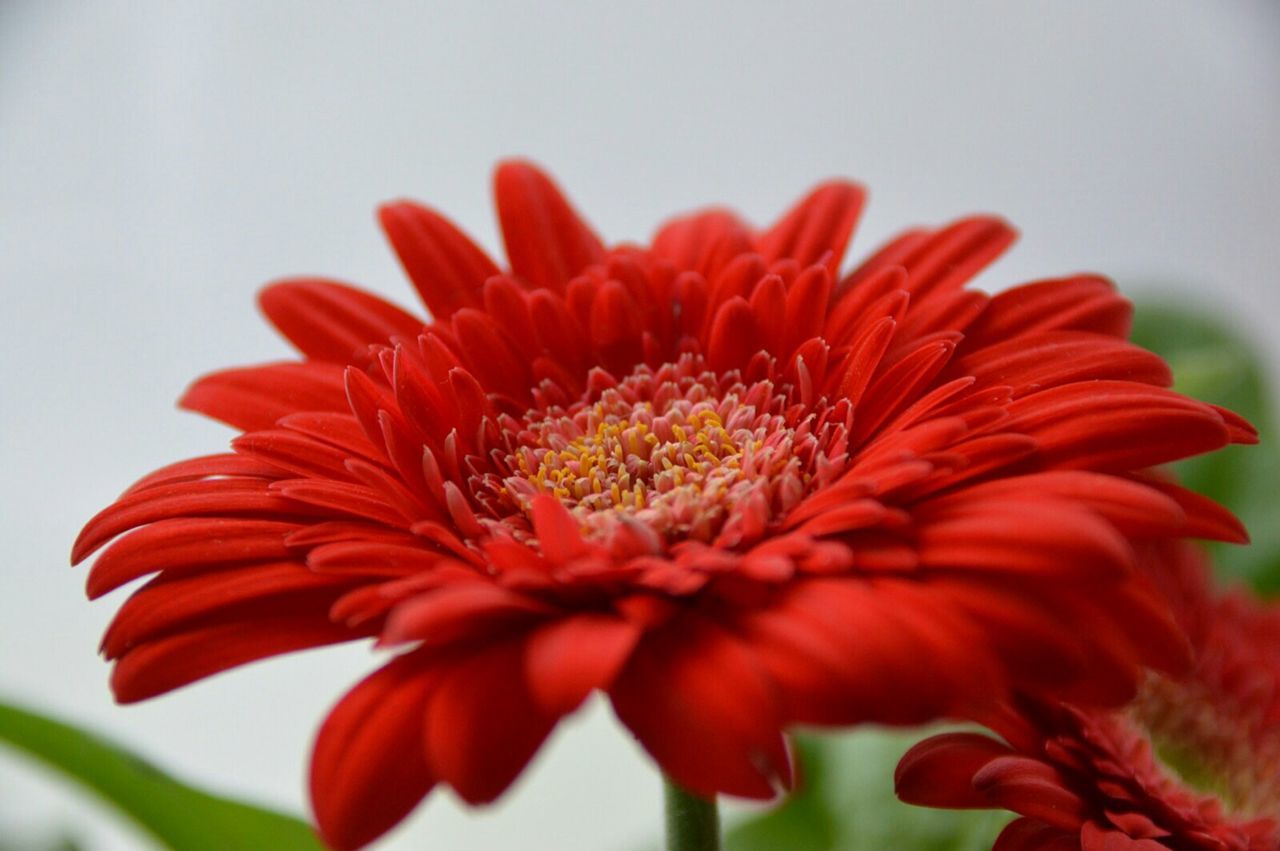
(693, 823)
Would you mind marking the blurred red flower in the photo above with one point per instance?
(710, 477)
(1192, 764)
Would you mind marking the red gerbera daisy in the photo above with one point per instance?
(1192, 764)
(709, 477)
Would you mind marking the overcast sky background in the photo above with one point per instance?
(160, 160)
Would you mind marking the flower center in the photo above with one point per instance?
(633, 457)
(1224, 751)
(678, 449)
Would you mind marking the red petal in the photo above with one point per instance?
(295, 453)
(156, 667)
(372, 558)
(898, 386)
(769, 306)
(1082, 303)
(193, 598)
(208, 498)
(818, 228)
(547, 241)
(353, 500)
(944, 311)
(952, 255)
(849, 651)
(507, 304)
(1095, 838)
(1205, 518)
(1030, 835)
(330, 321)
(1115, 426)
(340, 430)
(459, 613)
(256, 397)
(1037, 646)
(1135, 509)
(733, 338)
(569, 658)
(222, 465)
(185, 543)
(445, 266)
(1028, 536)
(367, 768)
(736, 279)
(938, 772)
(558, 530)
(1029, 363)
(1240, 429)
(700, 703)
(616, 326)
(1031, 788)
(487, 355)
(701, 241)
(483, 726)
(865, 359)
(806, 309)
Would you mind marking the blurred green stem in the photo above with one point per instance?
(693, 823)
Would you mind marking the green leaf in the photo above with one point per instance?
(1212, 362)
(177, 815)
(804, 822)
(845, 802)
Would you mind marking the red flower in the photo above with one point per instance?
(709, 477)
(1095, 780)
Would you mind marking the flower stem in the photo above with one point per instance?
(693, 823)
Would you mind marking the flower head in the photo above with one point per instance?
(1193, 763)
(710, 477)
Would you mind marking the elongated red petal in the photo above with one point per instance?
(257, 396)
(206, 498)
(1033, 363)
(185, 600)
(155, 667)
(938, 772)
(331, 321)
(547, 241)
(483, 725)
(701, 704)
(569, 658)
(1116, 425)
(818, 228)
(1031, 835)
(222, 465)
(951, 256)
(1082, 303)
(183, 543)
(445, 266)
(368, 768)
(702, 241)
(461, 612)
(1031, 788)
(1031, 535)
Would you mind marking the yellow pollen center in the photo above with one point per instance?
(678, 450)
(630, 462)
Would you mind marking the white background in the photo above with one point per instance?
(159, 161)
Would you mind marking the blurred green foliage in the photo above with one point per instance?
(59, 843)
(175, 814)
(845, 802)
